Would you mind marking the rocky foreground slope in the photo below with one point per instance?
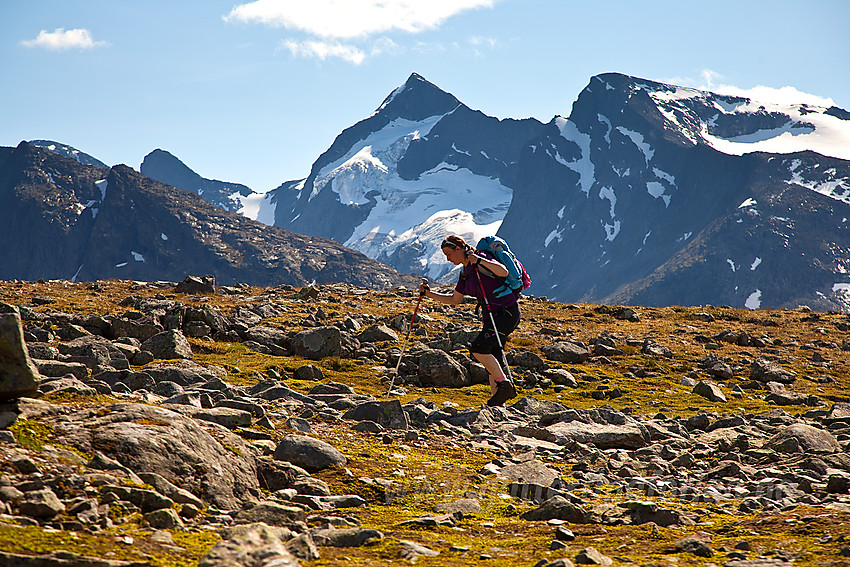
(154, 424)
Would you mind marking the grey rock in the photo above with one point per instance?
(253, 544)
(377, 333)
(270, 513)
(388, 414)
(561, 376)
(529, 360)
(278, 475)
(566, 351)
(146, 500)
(57, 368)
(410, 551)
(654, 349)
(557, 508)
(589, 556)
(317, 343)
(41, 504)
(533, 471)
(346, 537)
(709, 391)
(196, 285)
(164, 519)
(303, 547)
(840, 411)
(269, 336)
(311, 486)
(220, 470)
(309, 372)
(438, 369)
(166, 488)
(226, 417)
(603, 436)
(768, 371)
(168, 345)
(810, 439)
(18, 375)
(309, 453)
(67, 385)
(697, 544)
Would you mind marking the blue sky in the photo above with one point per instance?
(253, 92)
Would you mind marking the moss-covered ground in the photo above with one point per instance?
(436, 468)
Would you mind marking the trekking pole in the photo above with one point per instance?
(404, 344)
(493, 322)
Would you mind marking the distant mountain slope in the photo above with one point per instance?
(421, 166)
(83, 223)
(69, 152)
(636, 197)
(234, 197)
(630, 201)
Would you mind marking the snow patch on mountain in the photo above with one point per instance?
(414, 213)
(368, 160)
(825, 182)
(804, 127)
(583, 166)
(258, 207)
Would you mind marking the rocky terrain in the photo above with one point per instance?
(188, 424)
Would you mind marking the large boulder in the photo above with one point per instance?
(197, 285)
(377, 333)
(168, 345)
(566, 351)
(602, 436)
(219, 469)
(252, 544)
(388, 413)
(437, 368)
(809, 440)
(317, 343)
(18, 375)
(308, 453)
(768, 371)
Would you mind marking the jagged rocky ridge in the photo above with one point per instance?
(83, 223)
(163, 166)
(185, 448)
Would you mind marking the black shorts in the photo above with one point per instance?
(506, 321)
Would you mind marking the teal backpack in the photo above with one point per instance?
(518, 279)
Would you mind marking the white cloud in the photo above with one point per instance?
(323, 50)
(713, 81)
(346, 19)
(61, 39)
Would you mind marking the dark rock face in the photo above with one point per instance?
(80, 222)
(459, 139)
(164, 167)
(648, 213)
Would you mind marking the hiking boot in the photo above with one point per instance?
(504, 392)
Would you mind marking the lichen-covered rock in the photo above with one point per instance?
(308, 453)
(253, 544)
(168, 345)
(220, 470)
(437, 368)
(317, 343)
(18, 375)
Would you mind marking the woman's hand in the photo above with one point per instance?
(423, 288)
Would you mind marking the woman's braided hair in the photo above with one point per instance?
(456, 242)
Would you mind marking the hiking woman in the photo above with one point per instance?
(505, 310)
